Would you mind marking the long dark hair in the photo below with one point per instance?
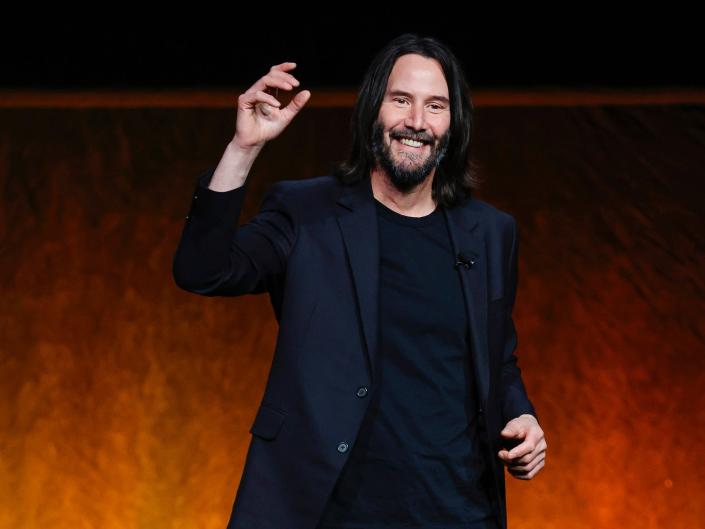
(455, 177)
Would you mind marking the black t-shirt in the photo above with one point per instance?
(417, 461)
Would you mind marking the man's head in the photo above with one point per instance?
(424, 69)
(411, 133)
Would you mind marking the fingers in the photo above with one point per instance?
(258, 98)
(276, 78)
(533, 439)
(518, 451)
(289, 111)
(528, 465)
(279, 71)
(525, 466)
(537, 449)
(263, 94)
(289, 80)
(275, 82)
(530, 470)
(523, 453)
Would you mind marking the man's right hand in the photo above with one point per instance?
(259, 118)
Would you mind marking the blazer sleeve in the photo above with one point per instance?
(515, 400)
(216, 257)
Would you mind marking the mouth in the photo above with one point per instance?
(410, 144)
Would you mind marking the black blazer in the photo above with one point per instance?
(314, 247)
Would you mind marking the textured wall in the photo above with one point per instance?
(126, 402)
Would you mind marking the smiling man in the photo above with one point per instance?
(411, 135)
(395, 398)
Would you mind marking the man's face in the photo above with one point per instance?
(415, 107)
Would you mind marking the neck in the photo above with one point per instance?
(417, 202)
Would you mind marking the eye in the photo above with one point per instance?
(397, 99)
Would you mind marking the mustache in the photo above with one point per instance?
(423, 138)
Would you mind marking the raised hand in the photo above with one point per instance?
(259, 116)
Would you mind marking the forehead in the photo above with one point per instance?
(418, 75)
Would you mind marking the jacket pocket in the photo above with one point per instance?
(268, 422)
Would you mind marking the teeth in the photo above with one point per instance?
(411, 143)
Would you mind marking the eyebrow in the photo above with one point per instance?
(407, 94)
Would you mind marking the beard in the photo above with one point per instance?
(411, 170)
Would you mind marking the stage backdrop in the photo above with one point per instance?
(125, 402)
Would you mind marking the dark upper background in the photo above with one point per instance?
(221, 50)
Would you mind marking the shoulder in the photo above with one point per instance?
(496, 227)
(306, 186)
(491, 214)
(309, 196)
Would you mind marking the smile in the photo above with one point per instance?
(410, 144)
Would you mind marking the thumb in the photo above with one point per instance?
(510, 431)
(297, 103)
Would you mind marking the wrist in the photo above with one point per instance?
(243, 150)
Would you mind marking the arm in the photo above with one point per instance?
(515, 401)
(523, 440)
(215, 257)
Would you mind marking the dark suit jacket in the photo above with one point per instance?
(314, 247)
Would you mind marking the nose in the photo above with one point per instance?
(416, 117)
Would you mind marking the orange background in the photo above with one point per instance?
(125, 402)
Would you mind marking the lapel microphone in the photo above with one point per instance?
(462, 260)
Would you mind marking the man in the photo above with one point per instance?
(394, 397)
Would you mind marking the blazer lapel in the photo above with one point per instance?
(357, 220)
(358, 226)
(466, 240)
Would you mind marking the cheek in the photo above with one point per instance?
(442, 128)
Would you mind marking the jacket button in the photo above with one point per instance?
(187, 217)
(480, 411)
(195, 195)
(342, 447)
(361, 391)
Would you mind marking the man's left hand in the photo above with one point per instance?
(526, 459)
